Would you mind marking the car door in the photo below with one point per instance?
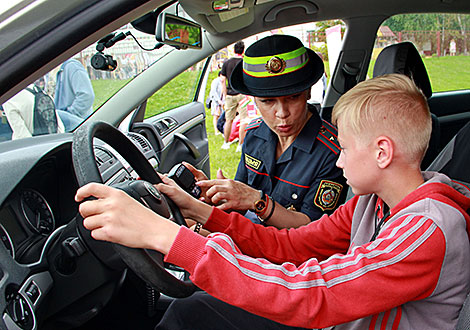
(174, 121)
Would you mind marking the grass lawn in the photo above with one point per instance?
(446, 73)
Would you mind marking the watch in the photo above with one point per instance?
(261, 204)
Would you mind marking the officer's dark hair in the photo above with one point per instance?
(239, 47)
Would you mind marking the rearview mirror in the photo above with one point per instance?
(178, 32)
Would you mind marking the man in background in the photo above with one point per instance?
(232, 97)
(74, 94)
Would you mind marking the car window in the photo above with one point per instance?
(75, 88)
(179, 91)
(441, 39)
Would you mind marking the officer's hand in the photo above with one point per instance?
(199, 176)
(230, 194)
(220, 175)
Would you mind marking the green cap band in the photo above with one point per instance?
(275, 65)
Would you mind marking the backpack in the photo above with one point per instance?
(5, 128)
(44, 114)
(208, 101)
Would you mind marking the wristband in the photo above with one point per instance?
(270, 213)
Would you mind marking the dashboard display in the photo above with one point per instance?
(11, 232)
(37, 211)
(7, 242)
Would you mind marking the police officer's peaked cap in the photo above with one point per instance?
(277, 65)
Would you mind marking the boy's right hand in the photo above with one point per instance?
(188, 205)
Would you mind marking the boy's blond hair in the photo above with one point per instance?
(389, 105)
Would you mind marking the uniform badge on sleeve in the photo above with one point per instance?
(327, 195)
(252, 162)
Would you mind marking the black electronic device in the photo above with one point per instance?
(185, 179)
(101, 61)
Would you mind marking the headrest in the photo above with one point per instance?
(404, 58)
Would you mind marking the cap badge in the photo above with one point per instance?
(275, 65)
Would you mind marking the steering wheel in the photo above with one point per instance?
(147, 264)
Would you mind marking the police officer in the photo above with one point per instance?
(289, 155)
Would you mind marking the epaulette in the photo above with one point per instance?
(328, 135)
(254, 124)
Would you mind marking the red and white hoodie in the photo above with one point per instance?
(414, 275)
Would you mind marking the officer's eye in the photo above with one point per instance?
(265, 101)
(295, 96)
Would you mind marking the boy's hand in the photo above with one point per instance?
(188, 205)
(116, 217)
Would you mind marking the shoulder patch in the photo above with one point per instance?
(328, 135)
(252, 162)
(327, 195)
(254, 124)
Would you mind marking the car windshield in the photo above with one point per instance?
(64, 97)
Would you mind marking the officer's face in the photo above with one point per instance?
(285, 115)
(357, 161)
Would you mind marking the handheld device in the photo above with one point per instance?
(185, 179)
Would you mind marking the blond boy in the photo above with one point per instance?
(395, 256)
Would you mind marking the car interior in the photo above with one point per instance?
(54, 275)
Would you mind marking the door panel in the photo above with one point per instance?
(452, 110)
(179, 135)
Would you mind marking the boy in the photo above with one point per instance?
(394, 257)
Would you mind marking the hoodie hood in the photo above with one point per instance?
(439, 187)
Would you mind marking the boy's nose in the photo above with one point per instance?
(339, 161)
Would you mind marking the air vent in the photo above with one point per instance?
(102, 156)
(140, 141)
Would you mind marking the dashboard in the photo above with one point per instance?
(44, 199)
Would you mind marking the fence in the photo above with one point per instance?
(429, 43)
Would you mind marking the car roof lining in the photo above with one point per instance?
(202, 12)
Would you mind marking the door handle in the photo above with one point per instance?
(191, 146)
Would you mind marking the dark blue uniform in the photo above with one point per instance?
(305, 177)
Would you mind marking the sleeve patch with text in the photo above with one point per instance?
(252, 162)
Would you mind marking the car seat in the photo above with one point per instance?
(404, 58)
(452, 161)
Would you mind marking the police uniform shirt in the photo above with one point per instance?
(305, 178)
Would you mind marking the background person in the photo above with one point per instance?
(21, 114)
(231, 96)
(402, 224)
(452, 47)
(289, 155)
(319, 88)
(216, 99)
(74, 94)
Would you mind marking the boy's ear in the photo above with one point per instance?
(384, 151)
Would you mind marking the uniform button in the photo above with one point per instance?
(294, 196)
